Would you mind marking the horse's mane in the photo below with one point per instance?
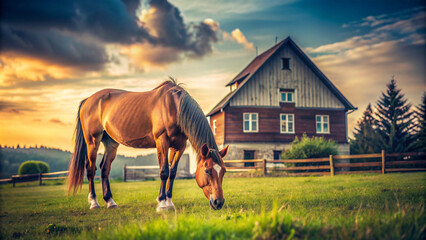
(192, 121)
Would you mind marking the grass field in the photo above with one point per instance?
(342, 207)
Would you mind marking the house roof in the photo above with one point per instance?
(246, 74)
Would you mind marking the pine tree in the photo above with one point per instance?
(366, 139)
(395, 120)
(420, 134)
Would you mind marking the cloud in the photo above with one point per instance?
(14, 107)
(409, 25)
(145, 57)
(376, 21)
(76, 34)
(17, 69)
(238, 36)
(57, 121)
(165, 24)
(53, 47)
(361, 65)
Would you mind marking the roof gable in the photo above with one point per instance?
(245, 75)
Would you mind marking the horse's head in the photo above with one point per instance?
(209, 175)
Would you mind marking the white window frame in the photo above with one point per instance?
(286, 119)
(214, 127)
(286, 96)
(250, 123)
(322, 122)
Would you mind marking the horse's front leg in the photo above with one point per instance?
(162, 149)
(173, 170)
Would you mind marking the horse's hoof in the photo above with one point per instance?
(111, 204)
(169, 204)
(93, 202)
(94, 206)
(162, 206)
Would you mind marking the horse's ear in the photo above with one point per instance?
(224, 151)
(205, 150)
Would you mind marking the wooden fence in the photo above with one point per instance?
(35, 177)
(147, 172)
(40, 177)
(340, 164)
(382, 163)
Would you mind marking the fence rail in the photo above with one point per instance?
(40, 177)
(383, 164)
(35, 177)
(147, 172)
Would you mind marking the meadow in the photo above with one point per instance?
(372, 206)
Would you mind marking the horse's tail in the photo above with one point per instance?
(78, 159)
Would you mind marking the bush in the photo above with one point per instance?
(316, 147)
(31, 167)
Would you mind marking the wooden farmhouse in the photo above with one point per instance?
(281, 94)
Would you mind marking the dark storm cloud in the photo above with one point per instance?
(108, 20)
(53, 47)
(74, 33)
(196, 39)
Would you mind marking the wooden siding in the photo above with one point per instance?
(269, 124)
(263, 88)
(220, 126)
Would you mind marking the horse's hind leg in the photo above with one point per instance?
(109, 156)
(92, 151)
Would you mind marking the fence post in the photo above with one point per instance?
(40, 178)
(383, 161)
(331, 166)
(265, 170)
(124, 172)
(13, 182)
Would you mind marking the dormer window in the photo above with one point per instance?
(287, 96)
(234, 87)
(285, 63)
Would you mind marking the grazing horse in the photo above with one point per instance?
(163, 118)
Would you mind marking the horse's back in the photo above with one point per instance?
(130, 118)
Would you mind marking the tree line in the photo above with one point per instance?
(393, 125)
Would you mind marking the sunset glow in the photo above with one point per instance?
(49, 64)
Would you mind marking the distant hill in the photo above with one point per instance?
(58, 160)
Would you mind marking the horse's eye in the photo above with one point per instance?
(207, 172)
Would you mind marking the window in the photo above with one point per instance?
(234, 87)
(277, 155)
(214, 127)
(323, 125)
(286, 96)
(287, 123)
(248, 155)
(285, 63)
(251, 122)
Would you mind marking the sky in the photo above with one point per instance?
(54, 53)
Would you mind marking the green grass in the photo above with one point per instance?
(342, 207)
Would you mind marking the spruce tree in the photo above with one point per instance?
(395, 120)
(366, 139)
(420, 134)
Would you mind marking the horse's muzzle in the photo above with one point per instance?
(216, 204)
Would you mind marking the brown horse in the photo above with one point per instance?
(165, 118)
